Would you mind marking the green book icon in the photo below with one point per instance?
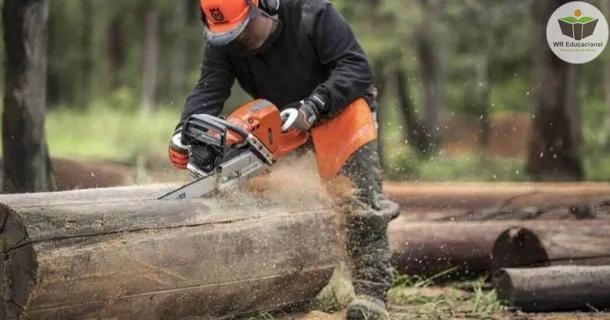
(577, 28)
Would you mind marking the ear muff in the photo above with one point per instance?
(271, 7)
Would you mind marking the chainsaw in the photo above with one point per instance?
(224, 152)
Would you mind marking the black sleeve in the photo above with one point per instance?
(337, 47)
(213, 87)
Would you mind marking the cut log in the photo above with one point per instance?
(429, 248)
(432, 247)
(153, 259)
(545, 243)
(555, 288)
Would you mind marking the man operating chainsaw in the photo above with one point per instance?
(302, 55)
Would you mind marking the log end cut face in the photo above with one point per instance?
(17, 264)
(516, 247)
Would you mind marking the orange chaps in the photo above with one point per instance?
(335, 140)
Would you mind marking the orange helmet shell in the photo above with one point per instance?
(227, 15)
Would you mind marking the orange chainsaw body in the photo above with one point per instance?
(262, 119)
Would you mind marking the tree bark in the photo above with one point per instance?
(116, 48)
(605, 9)
(380, 85)
(153, 259)
(466, 250)
(554, 150)
(417, 133)
(430, 71)
(27, 166)
(149, 57)
(552, 243)
(483, 94)
(143, 192)
(459, 250)
(559, 288)
(86, 54)
(178, 74)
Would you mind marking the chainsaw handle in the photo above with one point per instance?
(202, 123)
(289, 116)
(231, 126)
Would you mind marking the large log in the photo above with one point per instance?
(555, 288)
(152, 259)
(545, 243)
(467, 247)
(136, 192)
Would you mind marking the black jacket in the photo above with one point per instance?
(315, 52)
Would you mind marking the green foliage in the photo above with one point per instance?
(105, 132)
(90, 118)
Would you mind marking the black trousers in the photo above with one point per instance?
(366, 222)
(368, 213)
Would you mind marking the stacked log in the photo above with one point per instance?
(555, 288)
(472, 249)
(546, 243)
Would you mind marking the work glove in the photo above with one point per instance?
(178, 152)
(303, 114)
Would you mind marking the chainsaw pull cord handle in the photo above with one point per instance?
(289, 116)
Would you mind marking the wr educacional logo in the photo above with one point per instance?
(577, 32)
(577, 27)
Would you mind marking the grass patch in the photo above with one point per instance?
(461, 168)
(421, 298)
(100, 133)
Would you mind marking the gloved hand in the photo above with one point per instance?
(303, 114)
(178, 152)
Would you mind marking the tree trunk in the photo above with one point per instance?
(605, 8)
(27, 165)
(178, 75)
(560, 288)
(380, 81)
(483, 93)
(86, 54)
(430, 71)
(416, 132)
(149, 57)
(116, 48)
(554, 150)
(154, 259)
(546, 243)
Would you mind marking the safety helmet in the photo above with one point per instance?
(225, 20)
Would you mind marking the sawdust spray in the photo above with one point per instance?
(294, 182)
